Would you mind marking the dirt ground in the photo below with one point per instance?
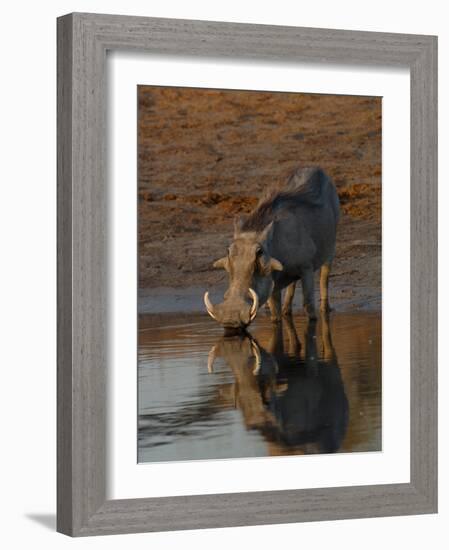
(207, 155)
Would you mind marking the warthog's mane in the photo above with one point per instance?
(305, 186)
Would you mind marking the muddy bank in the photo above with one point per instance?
(207, 155)
(190, 299)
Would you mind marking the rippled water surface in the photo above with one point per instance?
(298, 388)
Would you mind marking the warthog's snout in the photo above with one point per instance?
(232, 319)
(234, 313)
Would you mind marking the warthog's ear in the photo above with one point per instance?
(272, 264)
(276, 265)
(222, 263)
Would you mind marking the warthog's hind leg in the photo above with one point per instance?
(288, 299)
(324, 286)
(308, 292)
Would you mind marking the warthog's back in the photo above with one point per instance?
(309, 188)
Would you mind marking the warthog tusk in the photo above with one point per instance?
(257, 356)
(209, 306)
(255, 306)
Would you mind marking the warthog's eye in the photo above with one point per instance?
(259, 252)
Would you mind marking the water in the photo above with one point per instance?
(297, 389)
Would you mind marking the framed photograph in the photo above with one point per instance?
(247, 274)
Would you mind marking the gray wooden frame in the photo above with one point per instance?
(83, 40)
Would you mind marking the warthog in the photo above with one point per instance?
(288, 236)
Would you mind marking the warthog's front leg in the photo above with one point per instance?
(308, 292)
(288, 299)
(274, 303)
(324, 287)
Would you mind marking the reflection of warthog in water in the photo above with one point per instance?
(293, 401)
(289, 236)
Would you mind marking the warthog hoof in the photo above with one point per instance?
(326, 307)
(287, 311)
(276, 319)
(310, 312)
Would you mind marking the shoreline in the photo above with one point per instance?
(159, 300)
